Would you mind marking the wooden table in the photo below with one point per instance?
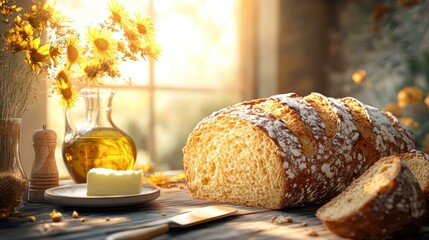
(98, 222)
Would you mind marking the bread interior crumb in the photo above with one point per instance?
(233, 162)
(419, 167)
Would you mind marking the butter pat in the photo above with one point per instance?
(108, 182)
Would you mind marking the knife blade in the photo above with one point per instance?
(191, 218)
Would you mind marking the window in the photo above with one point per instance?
(200, 71)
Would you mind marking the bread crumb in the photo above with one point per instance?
(163, 214)
(312, 233)
(31, 218)
(75, 214)
(281, 220)
(56, 216)
(107, 219)
(82, 220)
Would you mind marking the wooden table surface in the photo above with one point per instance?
(98, 222)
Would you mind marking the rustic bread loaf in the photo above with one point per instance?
(287, 150)
(384, 201)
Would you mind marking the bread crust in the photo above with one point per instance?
(331, 155)
(331, 144)
(405, 137)
(343, 141)
(364, 151)
(397, 209)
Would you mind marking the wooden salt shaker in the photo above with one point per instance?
(44, 173)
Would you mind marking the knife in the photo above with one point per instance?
(191, 218)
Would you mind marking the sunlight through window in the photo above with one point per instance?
(196, 74)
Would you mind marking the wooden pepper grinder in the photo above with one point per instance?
(44, 173)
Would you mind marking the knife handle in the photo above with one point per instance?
(140, 234)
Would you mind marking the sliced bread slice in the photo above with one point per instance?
(418, 162)
(384, 201)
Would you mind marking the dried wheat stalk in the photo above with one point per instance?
(18, 85)
(18, 90)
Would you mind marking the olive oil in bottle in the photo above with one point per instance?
(99, 147)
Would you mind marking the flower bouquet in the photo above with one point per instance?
(38, 43)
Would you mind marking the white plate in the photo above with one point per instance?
(75, 196)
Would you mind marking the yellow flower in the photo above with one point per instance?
(104, 47)
(67, 92)
(23, 28)
(73, 51)
(26, 31)
(359, 76)
(15, 40)
(59, 23)
(121, 47)
(7, 9)
(91, 70)
(394, 109)
(19, 36)
(69, 58)
(110, 67)
(151, 50)
(159, 179)
(118, 15)
(54, 54)
(145, 27)
(135, 43)
(63, 76)
(409, 95)
(41, 14)
(37, 56)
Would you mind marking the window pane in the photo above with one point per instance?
(199, 43)
(177, 114)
